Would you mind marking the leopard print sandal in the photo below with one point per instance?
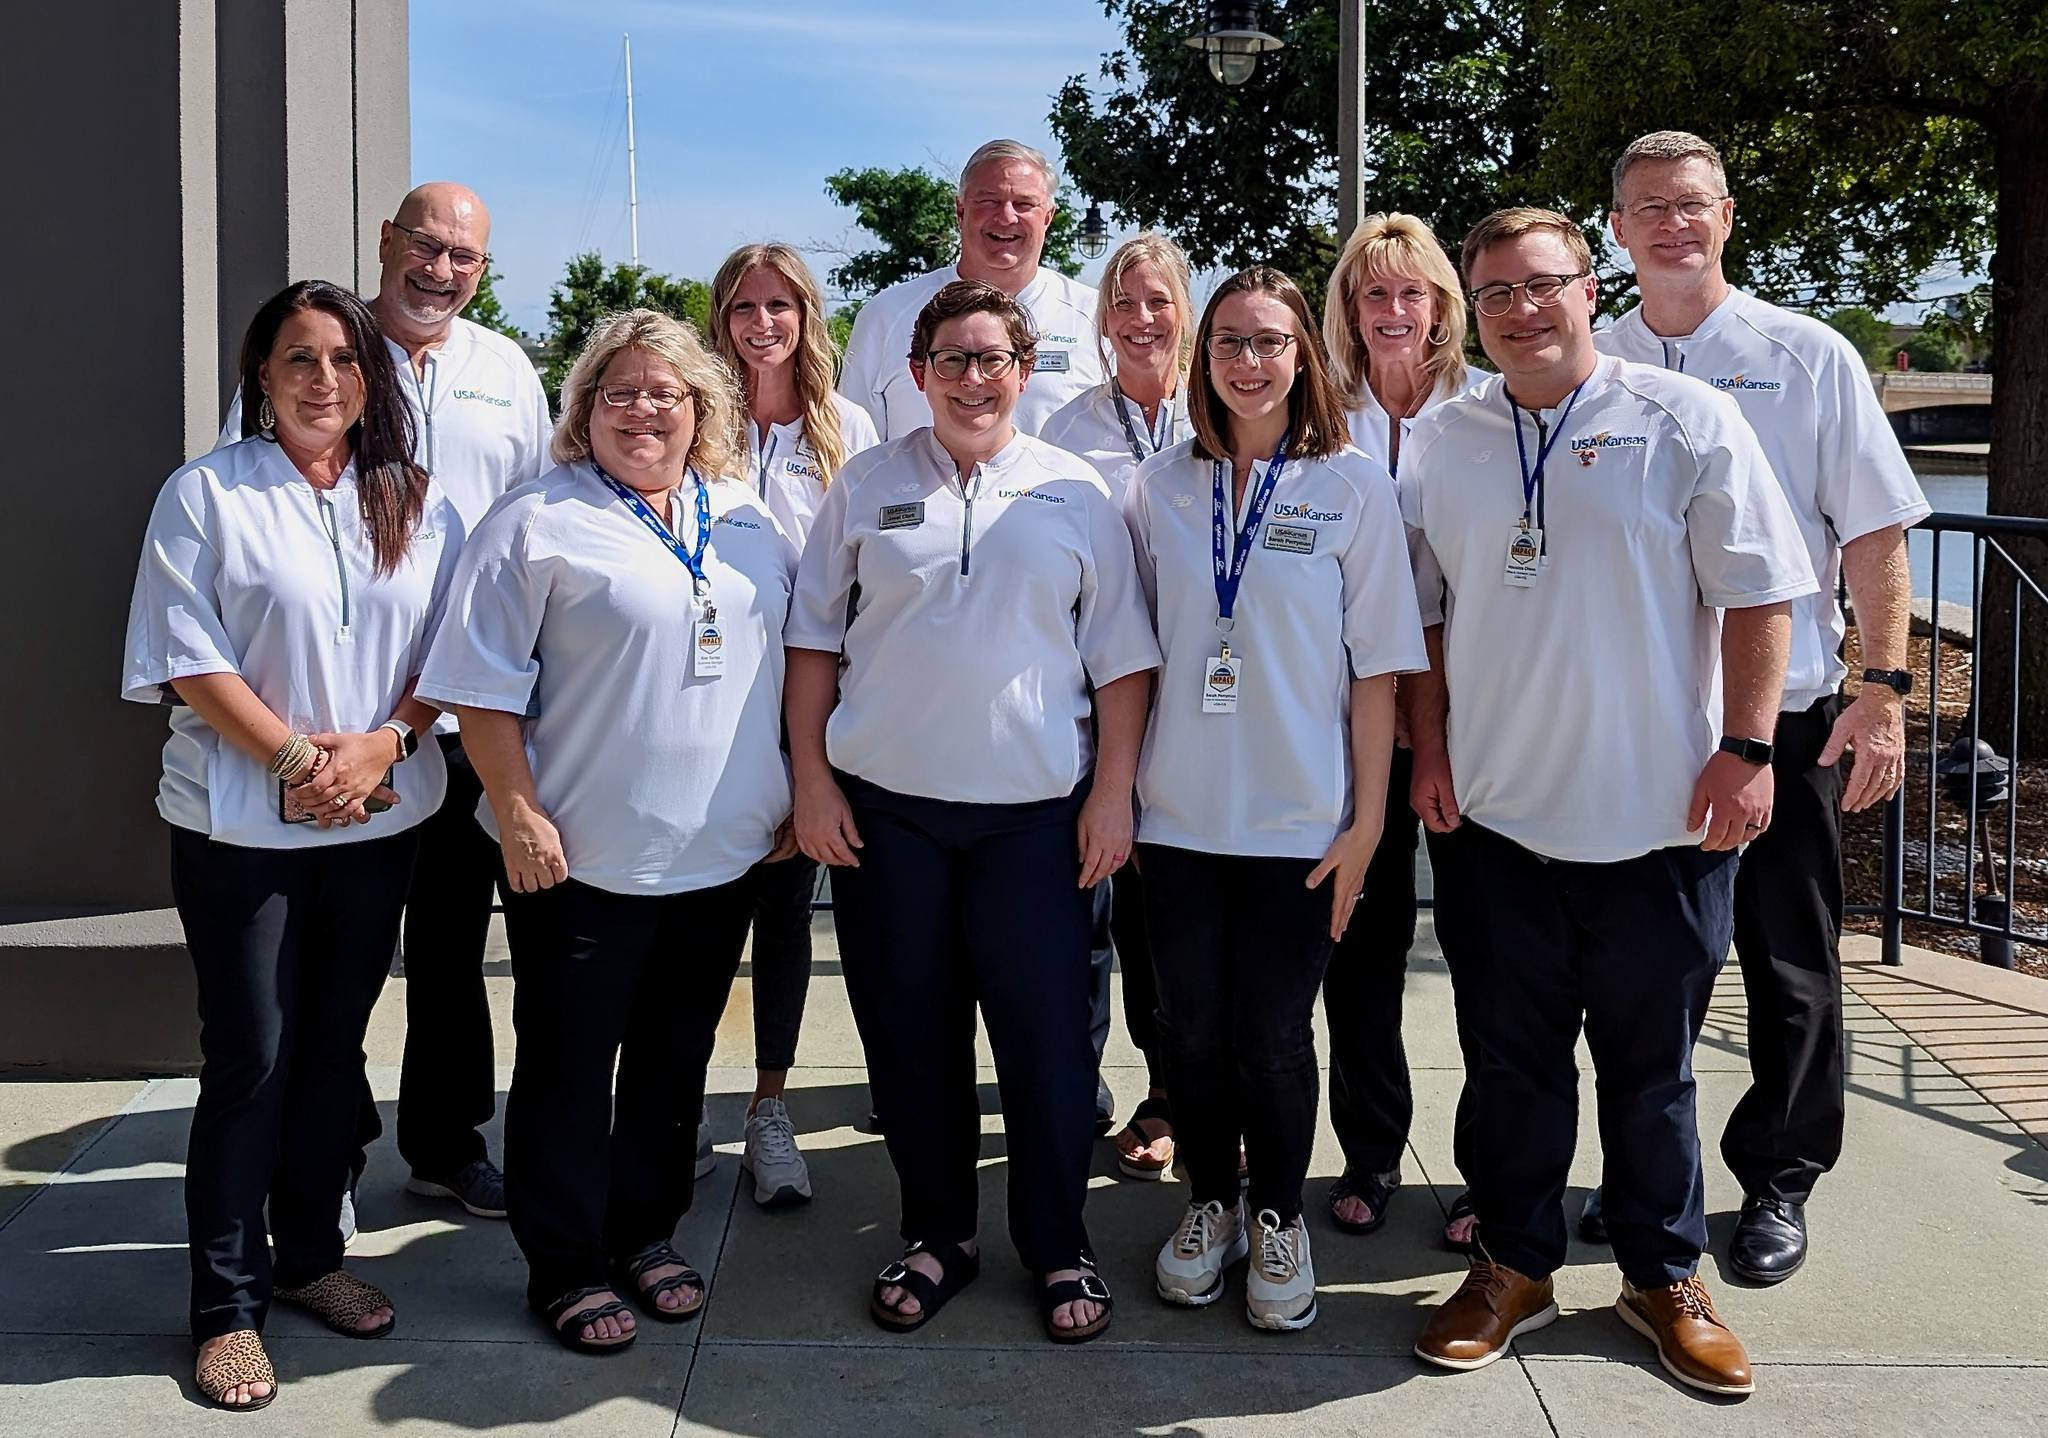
(239, 1360)
(339, 1300)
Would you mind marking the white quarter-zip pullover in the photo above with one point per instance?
(1372, 429)
(248, 569)
(1091, 427)
(1584, 706)
(971, 616)
(786, 471)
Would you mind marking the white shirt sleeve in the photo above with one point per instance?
(174, 621)
(856, 429)
(1746, 548)
(540, 432)
(483, 651)
(867, 352)
(1382, 622)
(824, 579)
(1138, 520)
(1113, 623)
(1422, 560)
(1865, 481)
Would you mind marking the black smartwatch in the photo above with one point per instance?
(1900, 680)
(1749, 751)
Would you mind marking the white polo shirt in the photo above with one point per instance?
(248, 569)
(971, 618)
(1090, 427)
(1584, 706)
(568, 609)
(481, 418)
(1372, 427)
(876, 374)
(1807, 394)
(1326, 597)
(785, 468)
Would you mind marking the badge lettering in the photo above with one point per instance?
(902, 516)
(1050, 362)
(1293, 538)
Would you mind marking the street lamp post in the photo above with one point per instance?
(1233, 42)
(1094, 232)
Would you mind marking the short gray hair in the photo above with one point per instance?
(1669, 145)
(1015, 150)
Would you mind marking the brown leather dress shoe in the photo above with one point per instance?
(1693, 1344)
(1492, 1307)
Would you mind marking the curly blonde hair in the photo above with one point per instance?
(816, 363)
(716, 449)
(1381, 248)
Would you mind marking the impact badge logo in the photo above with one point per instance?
(710, 641)
(1222, 679)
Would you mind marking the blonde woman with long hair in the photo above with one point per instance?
(613, 646)
(768, 324)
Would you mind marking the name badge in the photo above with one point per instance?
(1293, 538)
(1050, 362)
(1222, 676)
(1525, 557)
(902, 516)
(707, 647)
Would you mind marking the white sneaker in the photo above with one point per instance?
(707, 1157)
(1280, 1286)
(781, 1177)
(1189, 1269)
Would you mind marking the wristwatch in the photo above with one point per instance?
(1896, 679)
(408, 742)
(1749, 751)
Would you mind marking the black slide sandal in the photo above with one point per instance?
(1374, 1192)
(1088, 1287)
(627, 1271)
(570, 1334)
(960, 1268)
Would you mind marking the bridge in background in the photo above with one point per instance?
(1936, 408)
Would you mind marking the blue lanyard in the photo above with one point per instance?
(694, 562)
(1532, 480)
(1230, 572)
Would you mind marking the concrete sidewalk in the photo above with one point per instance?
(1920, 1311)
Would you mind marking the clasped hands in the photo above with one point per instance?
(347, 770)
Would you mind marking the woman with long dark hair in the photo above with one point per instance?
(288, 587)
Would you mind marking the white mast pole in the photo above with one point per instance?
(632, 173)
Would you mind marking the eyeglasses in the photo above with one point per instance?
(1266, 344)
(952, 364)
(1692, 207)
(619, 396)
(423, 246)
(1493, 301)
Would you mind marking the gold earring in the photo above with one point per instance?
(266, 416)
(1439, 333)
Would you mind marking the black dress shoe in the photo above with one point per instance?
(1770, 1240)
(1593, 1218)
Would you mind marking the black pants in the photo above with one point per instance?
(1241, 948)
(604, 980)
(1787, 1130)
(1631, 949)
(447, 1090)
(290, 948)
(781, 957)
(955, 905)
(1371, 1102)
(1120, 942)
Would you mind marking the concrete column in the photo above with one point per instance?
(166, 174)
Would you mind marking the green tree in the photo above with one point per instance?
(910, 212)
(589, 291)
(1964, 320)
(1866, 140)
(1932, 352)
(1861, 327)
(1246, 175)
(483, 308)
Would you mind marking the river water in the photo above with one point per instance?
(1953, 494)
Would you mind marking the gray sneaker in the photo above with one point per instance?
(478, 1186)
(707, 1156)
(781, 1178)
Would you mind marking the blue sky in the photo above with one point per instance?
(741, 107)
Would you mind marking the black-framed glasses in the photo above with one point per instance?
(1654, 209)
(1493, 301)
(423, 246)
(1266, 344)
(620, 396)
(952, 364)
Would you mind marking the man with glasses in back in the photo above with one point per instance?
(1807, 393)
(1605, 565)
(483, 428)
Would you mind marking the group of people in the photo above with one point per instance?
(1071, 629)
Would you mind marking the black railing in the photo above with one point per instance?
(1947, 816)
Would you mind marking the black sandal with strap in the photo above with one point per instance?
(958, 1268)
(570, 1334)
(1088, 1288)
(629, 1269)
(1156, 1110)
(1372, 1190)
(1461, 1208)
